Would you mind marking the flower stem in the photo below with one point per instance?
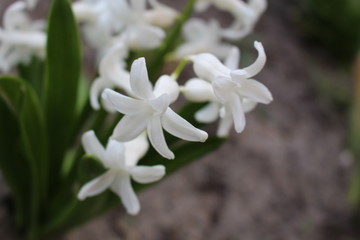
(180, 67)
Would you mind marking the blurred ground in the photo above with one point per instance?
(284, 178)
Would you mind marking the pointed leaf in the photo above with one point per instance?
(61, 80)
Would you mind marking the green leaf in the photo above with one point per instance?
(75, 212)
(61, 81)
(33, 73)
(25, 106)
(12, 163)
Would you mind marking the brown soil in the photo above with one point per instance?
(284, 178)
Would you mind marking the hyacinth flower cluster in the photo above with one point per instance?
(87, 141)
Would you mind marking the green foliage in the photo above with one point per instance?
(61, 80)
(21, 100)
(335, 24)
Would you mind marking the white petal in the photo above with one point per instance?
(223, 86)
(4, 49)
(233, 6)
(232, 60)
(208, 114)
(112, 66)
(114, 58)
(259, 63)
(225, 125)
(179, 127)
(136, 149)
(84, 12)
(138, 5)
(130, 127)
(220, 50)
(108, 107)
(198, 90)
(146, 174)
(157, 139)
(96, 186)
(122, 187)
(258, 5)
(92, 145)
(139, 79)
(115, 155)
(161, 15)
(189, 48)
(96, 88)
(160, 104)
(166, 84)
(237, 113)
(194, 29)
(122, 103)
(208, 67)
(255, 91)
(248, 105)
(15, 17)
(31, 39)
(145, 36)
(254, 68)
(236, 34)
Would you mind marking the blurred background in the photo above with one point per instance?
(291, 175)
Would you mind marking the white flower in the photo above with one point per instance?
(150, 110)
(112, 74)
(231, 93)
(120, 159)
(20, 38)
(200, 37)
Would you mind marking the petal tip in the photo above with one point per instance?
(203, 136)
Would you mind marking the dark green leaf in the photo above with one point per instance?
(25, 107)
(61, 81)
(12, 163)
(33, 73)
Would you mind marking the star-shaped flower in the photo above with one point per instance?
(121, 161)
(231, 92)
(149, 109)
